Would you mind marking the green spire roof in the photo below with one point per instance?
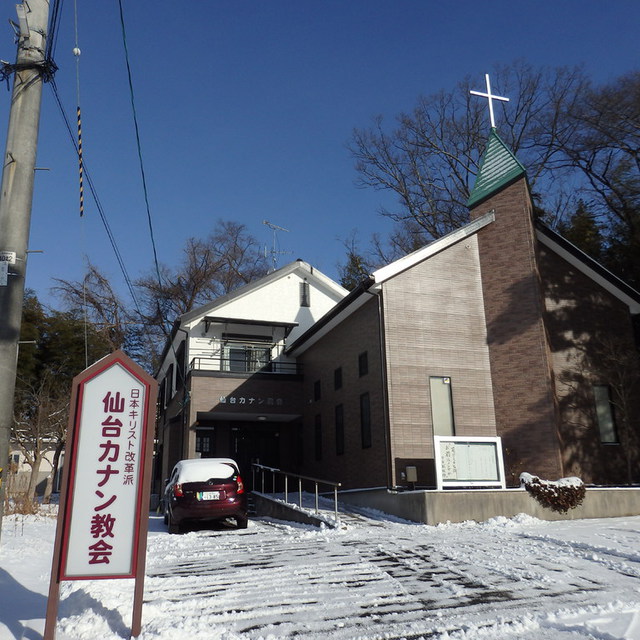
(498, 168)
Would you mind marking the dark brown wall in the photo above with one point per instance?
(525, 404)
(591, 337)
(254, 394)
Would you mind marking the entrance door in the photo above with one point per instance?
(255, 443)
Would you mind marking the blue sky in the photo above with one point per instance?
(245, 110)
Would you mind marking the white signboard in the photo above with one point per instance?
(8, 256)
(469, 462)
(104, 490)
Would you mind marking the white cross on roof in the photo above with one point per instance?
(491, 98)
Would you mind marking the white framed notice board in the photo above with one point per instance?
(469, 462)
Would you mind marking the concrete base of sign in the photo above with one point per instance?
(434, 507)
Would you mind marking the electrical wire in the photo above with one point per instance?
(161, 314)
(96, 199)
(55, 9)
(138, 144)
(85, 313)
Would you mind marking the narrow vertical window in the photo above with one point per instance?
(318, 438)
(441, 406)
(605, 414)
(169, 389)
(181, 369)
(162, 394)
(337, 378)
(363, 364)
(317, 390)
(365, 420)
(339, 414)
(305, 294)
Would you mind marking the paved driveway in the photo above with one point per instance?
(378, 578)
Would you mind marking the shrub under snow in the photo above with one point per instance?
(560, 495)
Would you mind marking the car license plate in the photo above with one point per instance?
(208, 495)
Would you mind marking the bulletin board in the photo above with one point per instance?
(469, 462)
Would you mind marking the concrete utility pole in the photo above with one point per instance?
(15, 202)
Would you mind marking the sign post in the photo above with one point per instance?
(104, 502)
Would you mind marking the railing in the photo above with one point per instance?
(277, 473)
(231, 365)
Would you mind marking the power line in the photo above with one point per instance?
(138, 144)
(161, 315)
(96, 199)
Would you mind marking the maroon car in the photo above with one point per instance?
(205, 489)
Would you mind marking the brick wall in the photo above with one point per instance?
(592, 342)
(341, 348)
(526, 408)
(435, 326)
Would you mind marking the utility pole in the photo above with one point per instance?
(16, 197)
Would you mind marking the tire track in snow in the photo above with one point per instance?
(387, 581)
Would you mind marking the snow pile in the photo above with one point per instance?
(559, 495)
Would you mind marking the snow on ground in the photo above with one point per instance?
(374, 578)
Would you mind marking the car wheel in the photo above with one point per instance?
(173, 526)
(241, 523)
(166, 515)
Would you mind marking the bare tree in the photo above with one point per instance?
(40, 424)
(210, 267)
(95, 296)
(431, 157)
(604, 147)
(228, 258)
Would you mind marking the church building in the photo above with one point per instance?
(500, 330)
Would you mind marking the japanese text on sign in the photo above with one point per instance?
(107, 476)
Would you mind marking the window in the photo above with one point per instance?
(318, 438)
(605, 414)
(339, 415)
(317, 390)
(162, 399)
(181, 366)
(305, 294)
(365, 420)
(363, 364)
(441, 406)
(203, 444)
(169, 386)
(337, 378)
(246, 354)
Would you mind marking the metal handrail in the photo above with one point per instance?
(261, 468)
(224, 365)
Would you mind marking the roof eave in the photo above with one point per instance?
(336, 314)
(590, 267)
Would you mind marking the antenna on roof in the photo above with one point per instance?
(274, 251)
